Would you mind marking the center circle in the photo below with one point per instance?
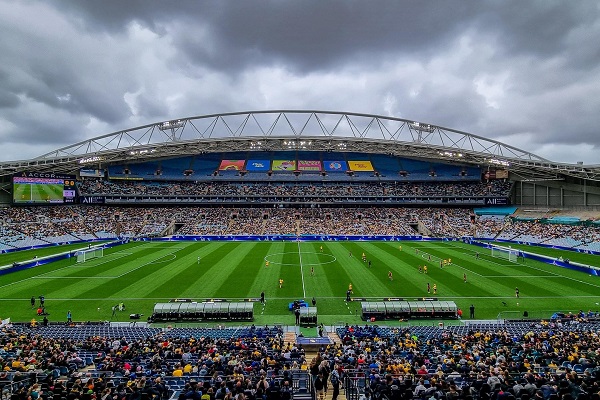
(324, 258)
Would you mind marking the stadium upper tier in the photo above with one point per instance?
(297, 130)
(37, 226)
(277, 193)
(294, 165)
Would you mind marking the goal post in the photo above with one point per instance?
(88, 254)
(505, 253)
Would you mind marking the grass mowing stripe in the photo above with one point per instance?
(317, 285)
(239, 279)
(266, 277)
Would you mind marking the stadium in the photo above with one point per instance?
(404, 252)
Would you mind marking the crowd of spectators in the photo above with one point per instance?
(29, 226)
(543, 362)
(327, 190)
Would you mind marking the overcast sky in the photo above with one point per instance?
(526, 73)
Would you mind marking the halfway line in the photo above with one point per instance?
(301, 271)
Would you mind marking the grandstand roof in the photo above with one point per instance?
(306, 130)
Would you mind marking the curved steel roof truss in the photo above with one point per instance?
(292, 129)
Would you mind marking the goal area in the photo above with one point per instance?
(505, 253)
(88, 254)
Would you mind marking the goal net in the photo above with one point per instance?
(505, 253)
(88, 254)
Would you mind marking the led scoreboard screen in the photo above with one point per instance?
(43, 188)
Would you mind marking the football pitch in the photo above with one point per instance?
(140, 274)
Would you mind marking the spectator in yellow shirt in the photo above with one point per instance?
(178, 371)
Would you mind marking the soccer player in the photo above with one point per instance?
(312, 271)
(428, 288)
(198, 260)
(517, 292)
(435, 288)
(321, 248)
(369, 263)
(441, 264)
(400, 248)
(280, 283)
(364, 257)
(420, 269)
(350, 254)
(465, 278)
(267, 264)
(390, 276)
(350, 288)
(477, 256)
(424, 269)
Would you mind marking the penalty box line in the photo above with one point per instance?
(155, 261)
(43, 275)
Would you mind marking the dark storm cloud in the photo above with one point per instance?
(304, 36)
(312, 34)
(522, 71)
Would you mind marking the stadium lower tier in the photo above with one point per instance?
(514, 360)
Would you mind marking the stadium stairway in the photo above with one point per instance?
(289, 337)
(342, 395)
(264, 227)
(335, 338)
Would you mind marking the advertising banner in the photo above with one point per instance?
(360, 165)
(307, 165)
(258, 165)
(334, 166)
(92, 199)
(95, 173)
(232, 165)
(497, 201)
(284, 165)
(501, 174)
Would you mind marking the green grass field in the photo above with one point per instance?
(141, 274)
(37, 193)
